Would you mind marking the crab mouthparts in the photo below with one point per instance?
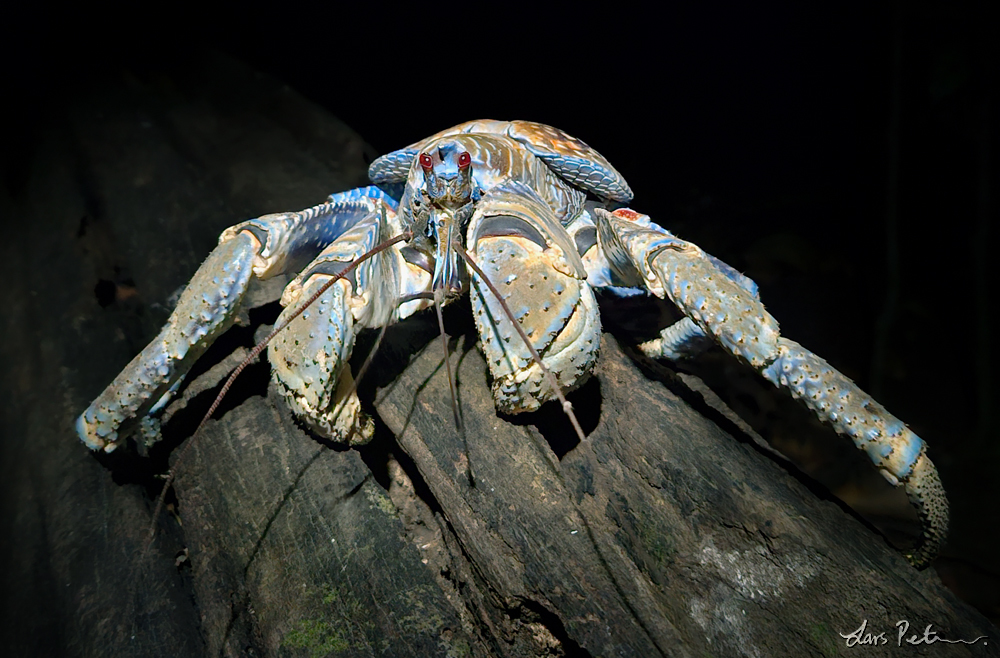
(449, 272)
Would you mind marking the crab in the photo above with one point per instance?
(529, 221)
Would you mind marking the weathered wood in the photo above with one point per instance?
(121, 194)
(660, 534)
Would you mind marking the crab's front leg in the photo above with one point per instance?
(210, 303)
(518, 243)
(309, 358)
(722, 304)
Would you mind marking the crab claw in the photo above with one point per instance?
(309, 364)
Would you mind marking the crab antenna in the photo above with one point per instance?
(566, 406)
(378, 342)
(438, 295)
(254, 353)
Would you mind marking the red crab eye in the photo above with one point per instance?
(464, 160)
(425, 161)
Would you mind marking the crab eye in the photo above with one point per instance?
(464, 160)
(425, 161)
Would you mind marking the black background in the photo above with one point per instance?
(843, 155)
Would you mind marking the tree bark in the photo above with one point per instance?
(668, 531)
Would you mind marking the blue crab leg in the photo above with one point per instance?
(684, 338)
(210, 304)
(681, 340)
(725, 306)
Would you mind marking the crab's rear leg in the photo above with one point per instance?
(210, 303)
(685, 338)
(722, 304)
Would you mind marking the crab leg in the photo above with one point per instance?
(309, 358)
(519, 244)
(210, 303)
(720, 303)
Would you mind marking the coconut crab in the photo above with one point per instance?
(515, 195)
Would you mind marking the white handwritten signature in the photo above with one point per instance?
(861, 636)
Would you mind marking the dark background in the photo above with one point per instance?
(842, 155)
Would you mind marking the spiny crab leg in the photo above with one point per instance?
(567, 407)
(255, 249)
(722, 305)
(252, 356)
